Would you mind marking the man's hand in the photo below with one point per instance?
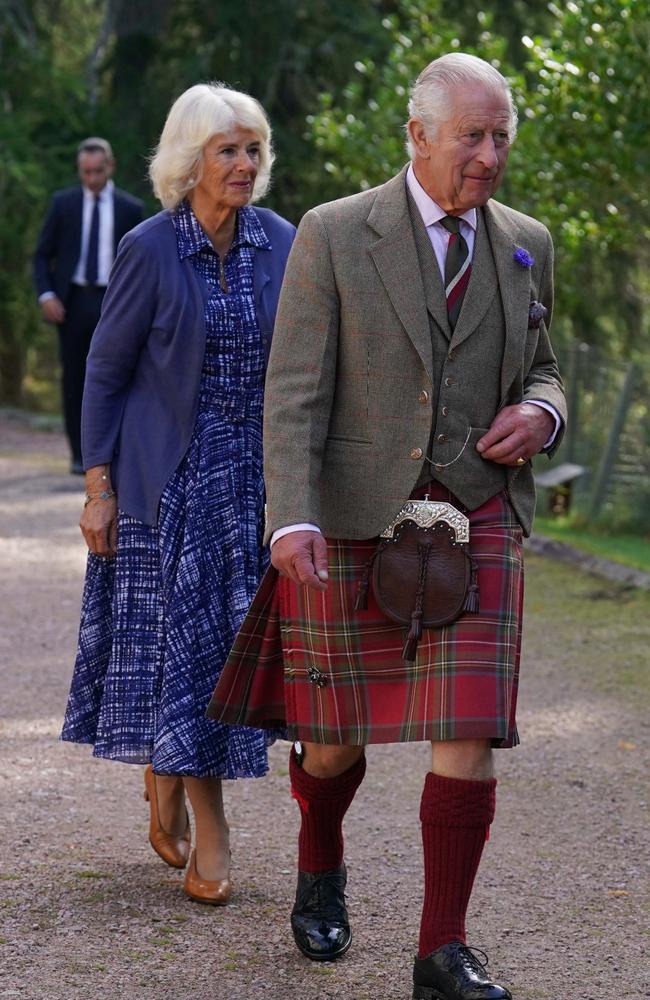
(53, 310)
(302, 556)
(516, 432)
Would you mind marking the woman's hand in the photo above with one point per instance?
(98, 525)
(98, 521)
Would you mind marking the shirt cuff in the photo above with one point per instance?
(556, 416)
(46, 295)
(292, 527)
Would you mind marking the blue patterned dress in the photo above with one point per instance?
(158, 619)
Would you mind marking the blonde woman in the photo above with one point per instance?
(172, 449)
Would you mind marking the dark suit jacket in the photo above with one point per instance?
(59, 244)
(144, 367)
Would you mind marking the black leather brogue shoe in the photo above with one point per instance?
(319, 919)
(454, 972)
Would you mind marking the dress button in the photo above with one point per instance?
(416, 453)
(445, 411)
(449, 381)
(441, 438)
(423, 396)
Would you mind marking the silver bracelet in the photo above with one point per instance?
(104, 495)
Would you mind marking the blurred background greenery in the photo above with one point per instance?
(334, 76)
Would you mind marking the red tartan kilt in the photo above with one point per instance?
(335, 675)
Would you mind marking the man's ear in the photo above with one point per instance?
(418, 137)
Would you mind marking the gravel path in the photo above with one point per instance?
(87, 911)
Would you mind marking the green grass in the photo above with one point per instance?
(631, 550)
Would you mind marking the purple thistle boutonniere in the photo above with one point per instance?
(523, 258)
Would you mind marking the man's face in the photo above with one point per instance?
(94, 169)
(462, 166)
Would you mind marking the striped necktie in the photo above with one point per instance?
(458, 268)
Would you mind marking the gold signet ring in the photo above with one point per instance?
(521, 461)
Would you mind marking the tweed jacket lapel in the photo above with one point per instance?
(431, 277)
(515, 285)
(396, 259)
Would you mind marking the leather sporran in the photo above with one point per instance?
(423, 575)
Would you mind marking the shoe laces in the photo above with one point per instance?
(324, 889)
(471, 957)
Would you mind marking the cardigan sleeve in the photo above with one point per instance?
(127, 314)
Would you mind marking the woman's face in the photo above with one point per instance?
(230, 164)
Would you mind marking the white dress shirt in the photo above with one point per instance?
(105, 253)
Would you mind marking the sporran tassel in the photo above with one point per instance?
(471, 601)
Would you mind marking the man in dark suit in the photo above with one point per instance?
(73, 258)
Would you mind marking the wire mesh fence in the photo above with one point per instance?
(608, 435)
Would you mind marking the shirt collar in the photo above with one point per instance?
(191, 238)
(250, 231)
(427, 207)
(105, 191)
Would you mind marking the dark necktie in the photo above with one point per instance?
(93, 246)
(458, 268)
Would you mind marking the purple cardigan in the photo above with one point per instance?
(144, 367)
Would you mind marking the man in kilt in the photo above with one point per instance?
(410, 357)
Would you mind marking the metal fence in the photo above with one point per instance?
(609, 435)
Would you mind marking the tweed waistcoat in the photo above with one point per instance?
(451, 453)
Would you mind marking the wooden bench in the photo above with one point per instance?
(558, 482)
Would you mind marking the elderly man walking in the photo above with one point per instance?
(411, 382)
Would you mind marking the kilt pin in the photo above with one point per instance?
(379, 387)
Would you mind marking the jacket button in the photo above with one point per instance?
(445, 411)
(423, 396)
(449, 381)
(441, 438)
(416, 453)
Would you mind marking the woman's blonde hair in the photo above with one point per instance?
(205, 110)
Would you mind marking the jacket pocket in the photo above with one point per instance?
(335, 441)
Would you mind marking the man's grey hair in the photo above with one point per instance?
(429, 100)
(95, 144)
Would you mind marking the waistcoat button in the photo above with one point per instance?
(445, 411)
(449, 381)
(441, 438)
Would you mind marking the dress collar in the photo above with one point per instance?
(191, 239)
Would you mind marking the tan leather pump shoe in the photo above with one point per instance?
(172, 849)
(216, 892)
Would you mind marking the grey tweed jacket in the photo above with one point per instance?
(354, 397)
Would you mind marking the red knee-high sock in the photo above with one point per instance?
(323, 804)
(456, 817)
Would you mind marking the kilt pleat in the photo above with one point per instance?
(331, 674)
